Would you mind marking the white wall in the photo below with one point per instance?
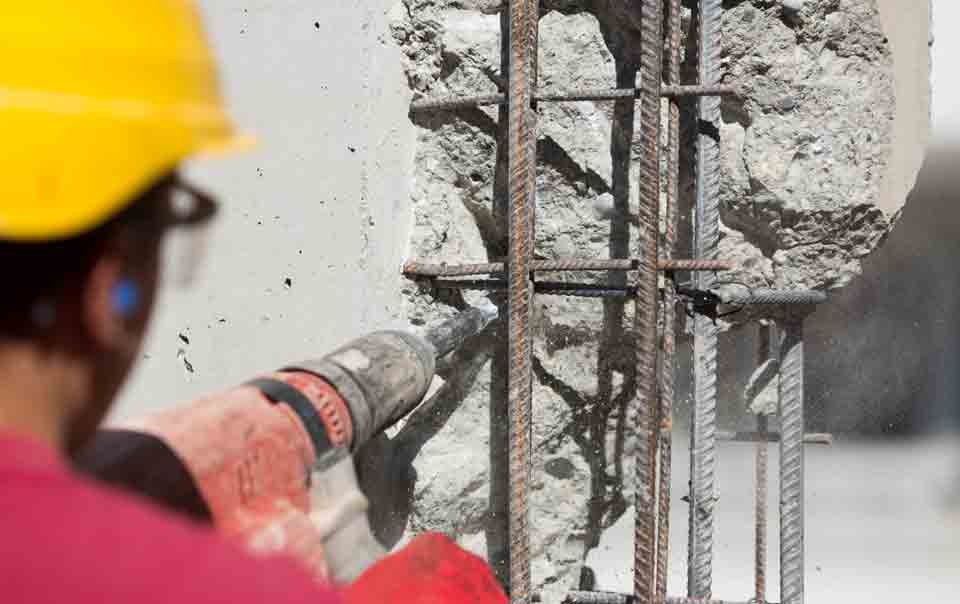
(906, 24)
(312, 80)
(946, 77)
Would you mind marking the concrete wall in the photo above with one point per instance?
(907, 26)
(323, 201)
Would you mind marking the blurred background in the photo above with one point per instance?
(884, 352)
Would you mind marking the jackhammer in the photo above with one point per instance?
(269, 463)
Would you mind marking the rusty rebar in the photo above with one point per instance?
(791, 461)
(703, 459)
(645, 317)
(420, 269)
(547, 288)
(695, 265)
(668, 308)
(689, 90)
(524, 15)
(448, 103)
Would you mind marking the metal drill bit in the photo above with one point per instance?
(450, 335)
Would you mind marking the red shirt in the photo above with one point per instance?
(67, 540)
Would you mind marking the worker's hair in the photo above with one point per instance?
(34, 273)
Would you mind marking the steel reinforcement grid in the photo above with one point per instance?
(651, 412)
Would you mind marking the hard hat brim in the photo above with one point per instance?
(235, 144)
(75, 198)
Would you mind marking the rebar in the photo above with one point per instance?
(809, 438)
(760, 515)
(547, 288)
(668, 308)
(419, 269)
(695, 265)
(791, 461)
(688, 90)
(650, 414)
(597, 597)
(764, 353)
(448, 103)
(645, 317)
(607, 597)
(600, 94)
(703, 459)
(524, 15)
(772, 297)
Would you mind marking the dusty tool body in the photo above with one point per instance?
(270, 461)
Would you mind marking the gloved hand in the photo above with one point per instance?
(432, 569)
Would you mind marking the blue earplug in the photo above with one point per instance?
(125, 297)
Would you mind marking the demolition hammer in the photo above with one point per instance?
(269, 463)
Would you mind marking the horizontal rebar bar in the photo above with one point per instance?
(810, 438)
(606, 597)
(772, 296)
(456, 102)
(613, 94)
(417, 269)
(550, 288)
(566, 96)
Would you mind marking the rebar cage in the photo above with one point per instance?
(655, 307)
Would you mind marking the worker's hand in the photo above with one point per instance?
(432, 569)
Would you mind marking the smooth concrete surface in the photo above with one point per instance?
(323, 201)
(946, 83)
(907, 25)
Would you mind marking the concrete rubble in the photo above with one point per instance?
(805, 149)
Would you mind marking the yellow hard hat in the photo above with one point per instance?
(98, 99)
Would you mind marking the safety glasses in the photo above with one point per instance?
(187, 207)
(184, 220)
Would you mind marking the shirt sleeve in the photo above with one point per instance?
(68, 540)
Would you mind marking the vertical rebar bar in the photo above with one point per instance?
(665, 425)
(646, 402)
(498, 529)
(703, 430)
(522, 158)
(764, 352)
(791, 461)
(760, 515)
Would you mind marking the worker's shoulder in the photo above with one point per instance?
(65, 536)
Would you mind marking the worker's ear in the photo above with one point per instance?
(112, 305)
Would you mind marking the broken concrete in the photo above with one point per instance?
(810, 188)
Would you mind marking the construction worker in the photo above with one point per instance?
(100, 102)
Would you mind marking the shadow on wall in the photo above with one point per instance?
(883, 355)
